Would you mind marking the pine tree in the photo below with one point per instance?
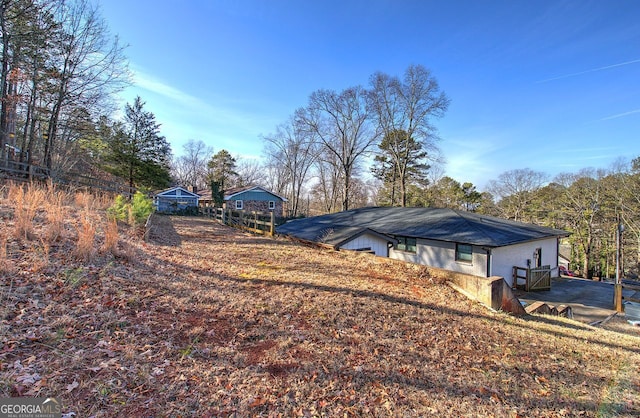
(223, 169)
(137, 150)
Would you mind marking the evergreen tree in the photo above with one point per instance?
(401, 162)
(222, 169)
(217, 194)
(137, 151)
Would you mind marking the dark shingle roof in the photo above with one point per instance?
(428, 223)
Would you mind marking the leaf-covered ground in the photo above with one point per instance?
(205, 320)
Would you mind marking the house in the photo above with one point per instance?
(564, 256)
(465, 242)
(176, 200)
(249, 198)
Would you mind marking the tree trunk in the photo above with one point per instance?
(131, 183)
(587, 272)
(4, 73)
(30, 121)
(403, 186)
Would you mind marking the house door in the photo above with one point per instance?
(537, 257)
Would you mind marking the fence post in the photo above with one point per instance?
(272, 227)
(617, 297)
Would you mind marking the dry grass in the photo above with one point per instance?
(111, 237)
(55, 208)
(86, 237)
(27, 201)
(84, 200)
(5, 264)
(207, 321)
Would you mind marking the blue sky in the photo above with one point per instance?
(549, 85)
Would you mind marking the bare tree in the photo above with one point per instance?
(583, 209)
(190, 168)
(624, 190)
(514, 191)
(88, 66)
(342, 124)
(326, 192)
(250, 172)
(295, 150)
(276, 177)
(403, 109)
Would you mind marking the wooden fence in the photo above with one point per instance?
(538, 278)
(619, 298)
(257, 222)
(22, 171)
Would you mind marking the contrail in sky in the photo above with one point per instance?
(593, 70)
(619, 115)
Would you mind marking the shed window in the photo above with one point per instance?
(272, 205)
(406, 244)
(239, 204)
(464, 252)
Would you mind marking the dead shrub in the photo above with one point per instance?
(111, 237)
(86, 238)
(27, 203)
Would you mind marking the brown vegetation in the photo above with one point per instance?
(204, 320)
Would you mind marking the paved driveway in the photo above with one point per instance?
(590, 301)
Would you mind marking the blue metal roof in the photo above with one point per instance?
(427, 223)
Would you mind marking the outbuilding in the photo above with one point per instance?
(176, 200)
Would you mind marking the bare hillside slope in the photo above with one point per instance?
(204, 320)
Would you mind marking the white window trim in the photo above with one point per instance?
(458, 253)
(272, 204)
(239, 204)
(406, 245)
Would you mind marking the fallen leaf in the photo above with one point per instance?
(72, 386)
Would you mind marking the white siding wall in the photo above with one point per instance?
(377, 244)
(443, 255)
(504, 258)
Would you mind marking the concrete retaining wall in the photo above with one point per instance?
(492, 292)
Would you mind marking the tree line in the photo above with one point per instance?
(378, 146)
(60, 74)
(591, 204)
(363, 145)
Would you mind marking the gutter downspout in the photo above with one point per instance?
(488, 250)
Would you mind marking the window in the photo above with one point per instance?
(272, 205)
(464, 252)
(406, 244)
(239, 204)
